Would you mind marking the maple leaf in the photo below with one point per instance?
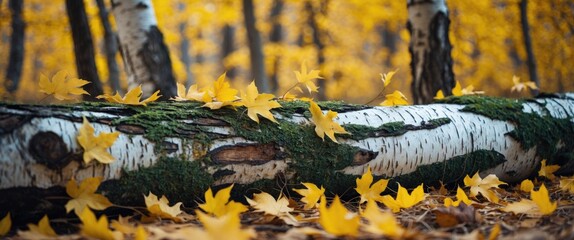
(311, 195)
(41, 231)
(160, 207)
(367, 191)
(62, 86)
(141, 233)
(336, 219)
(96, 228)
(258, 103)
(404, 199)
(324, 124)
(439, 95)
(478, 185)
(457, 90)
(264, 202)
(95, 146)
(219, 204)
(132, 97)
(5, 224)
(221, 94)
(548, 171)
(567, 184)
(382, 223)
(306, 78)
(395, 99)
(526, 185)
(225, 227)
(192, 94)
(123, 225)
(460, 197)
(386, 78)
(539, 205)
(519, 86)
(85, 195)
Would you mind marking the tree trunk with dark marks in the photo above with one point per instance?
(110, 47)
(228, 46)
(179, 149)
(430, 48)
(318, 41)
(16, 58)
(146, 57)
(276, 36)
(255, 47)
(530, 59)
(84, 48)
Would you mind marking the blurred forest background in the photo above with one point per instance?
(358, 38)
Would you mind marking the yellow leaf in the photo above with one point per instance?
(567, 184)
(123, 225)
(225, 227)
(337, 220)
(494, 232)
(258, 103)
(439, 95)
(5, 224)
(519, 86)
(367, 191)
(542, 200)
(85, 195)
(457, 90)
(478, 185)
(221, 94)
(307, 78)
(96, 228)
(526, 185)
(523, 206)
(311, 195)
(381, 223)
(548, 171)
(160, 207)
(404, 199)
(324, 124)
(95, 146)
(132, 97)
(220, 205)
(41, 231)
(395, 99)
(460, 196)
(192, 94)
(386, 78)
(62, 86)
(264, 202)
(141, 233)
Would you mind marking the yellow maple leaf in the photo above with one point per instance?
(324, 124)
(221, 94)
(367, 191)
(192, 94)
(123, 225)
(460, 197)
(62, 86)
(439, 95)
(220, 204)
(526, 185)
(307, 78)
(96, 228)
(5, 224)
(141, 233)
(567, 184)
(258, 103)
(84, 195)
(337, 220)
(539, 205)
(132, 97)
(42, 230)
(225, 227)
(311, 195)
(519, 86)
(386, 78)
(264, 202)
(395, 99)
(547, 171)
(159, 207)
(381, 223)
(404, 199)
(95, 146)
(478, 185)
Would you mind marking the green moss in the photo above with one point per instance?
(359, 132)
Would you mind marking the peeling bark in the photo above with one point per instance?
(16, 59)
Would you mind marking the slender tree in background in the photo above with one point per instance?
(16, 59)
(110, 47)
(255, 47)
(317, 40)
(146, 57)
(276, 37)
(430, 48)
(228, 46)
(84, 48)
(185, 45)
(530, 60)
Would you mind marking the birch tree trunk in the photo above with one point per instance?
(180, 149)
(430, 48)
(146, 57)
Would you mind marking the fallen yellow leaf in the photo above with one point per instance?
(62, 86)
(192, 94)
(85, 195)
(539, 205)
(460, 196)
(526, 185)
(404, 199)
(5, 224)
(439, 95)
(221, 94)
(547, 171)
(478, 185)
(519, 86)
(258, 103)
(159, 207)
(41, 231)
(132, 97)
(96, 228)
(226, 227)
(311, 195)
(381, 223)
(264, 202)
(337, 220)
(324, 124)
(305, 77)
(367, 191)
(567, 184)
(220, 204)
(95, 146)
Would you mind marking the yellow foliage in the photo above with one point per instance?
(258, 104)
(95, 146)
(567, 184)
(547, 171)
(404, 199)
(159, 207)
(85, 196)
(96, 228)
(223, 227)
(396, 98)
(132, 97)
(478, 185)
(324, 124)
(367, 191)
(42, 230)
(311, 195)
(337, 220)
(460, 197)
(220, 204)
(539, 205)
(5, 224)
(62, 86)
(382, 223)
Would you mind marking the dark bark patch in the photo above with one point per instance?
(10, 122)
(222, 173)
(169, 147)
(253, 154)
(131, 129)
(49, 149)
(141, 5)
(155, 56)
(210, 122)
(363, 157)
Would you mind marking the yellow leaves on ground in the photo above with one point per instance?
(539, 205)
(367, 191)
(226, 227)
(5, 224)
(160, 207)
(264, 202)
(404, 199)
(526, 185)
(85, 195)
(459, 91)
(478, 185)
(62, 86)
(460, 197)
(519, 86)
(547, 171)
(42, 230)
(567, 184)
(324, 124)
(395, 99)
(337, 220)
(132, 97)
(96, 228)
(95, 146)
(219, 204)
(307, 77)
(311, 195)
(258, 103)
(383, 223)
